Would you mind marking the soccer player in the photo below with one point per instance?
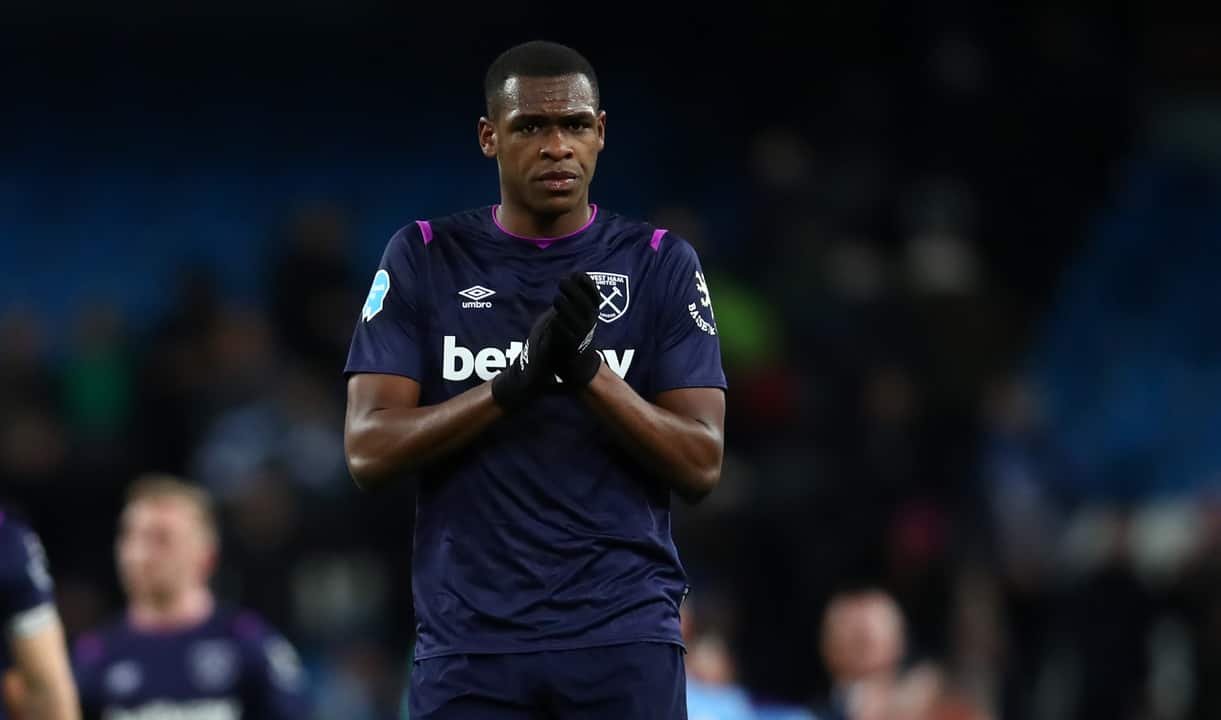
(37, 674)
(551, 372)
(177, 653)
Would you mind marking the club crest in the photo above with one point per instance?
(613, 288)
(214, 664)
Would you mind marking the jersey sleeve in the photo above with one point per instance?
(276, 680)
(26, 590)
(88, 655)
(389, 331)
(689, 348)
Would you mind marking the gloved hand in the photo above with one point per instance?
(571, 350)
(530, 373)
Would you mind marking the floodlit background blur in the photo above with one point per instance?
(964, 261)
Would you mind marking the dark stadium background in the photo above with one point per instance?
(963, 259)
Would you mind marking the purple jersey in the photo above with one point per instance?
(231, 666)
(544, 533)
(26, 589)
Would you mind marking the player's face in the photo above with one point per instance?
(163, 548)
(864, 636)
(546, 137)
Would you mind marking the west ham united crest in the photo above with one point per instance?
(613, 288)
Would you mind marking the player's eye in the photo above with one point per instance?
(579, 125)
(528, 128)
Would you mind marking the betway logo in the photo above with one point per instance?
(459, 363)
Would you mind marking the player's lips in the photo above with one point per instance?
(558, 179)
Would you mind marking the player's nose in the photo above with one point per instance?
(555, 146)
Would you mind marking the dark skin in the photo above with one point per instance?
(544, 127)
(545, 134)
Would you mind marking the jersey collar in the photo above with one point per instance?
(541, 242)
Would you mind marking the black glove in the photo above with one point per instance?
(572, 333)
(530, 374)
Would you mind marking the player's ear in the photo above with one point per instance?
(487, 137)
(601, 124)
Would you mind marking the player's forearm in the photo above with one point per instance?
(46, 675)
(685, 452)
(384, 443)
(51, 701)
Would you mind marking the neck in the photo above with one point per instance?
(520, 221)
(171, 612)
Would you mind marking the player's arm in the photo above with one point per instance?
(682, 436)
(40, 656)
(32, 629)
(387, 433)
(279, 680)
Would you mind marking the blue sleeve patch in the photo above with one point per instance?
(377, 295)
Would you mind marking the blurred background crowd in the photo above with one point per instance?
(963, 260)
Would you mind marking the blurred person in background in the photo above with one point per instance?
(177, 370)
(1020, 514)
(863, 644)
(34, 666)
(713, 691)
(1111, 615)
(312, 288)
(34, 442)
(546, 579)
(177, 652)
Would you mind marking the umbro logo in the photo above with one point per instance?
(476, 297)
(476, 292)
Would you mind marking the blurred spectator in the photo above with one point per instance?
(33, 449)
(977, 661)
(946, 704)
(26, 379)
(713, 692)
(1195, 595)
(176, 372)
(939, 256)
(314, 297)
(1024, 510)
(1112, 615)
(1022, 475)
(920, 574)
(882, 453)
(99, 386)
(263, 526)
(242, 358)
(356, 681)
(290, 421)
(339, 595)
(863, 645)
(33, 440)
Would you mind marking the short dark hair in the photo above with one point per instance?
(537, 58)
